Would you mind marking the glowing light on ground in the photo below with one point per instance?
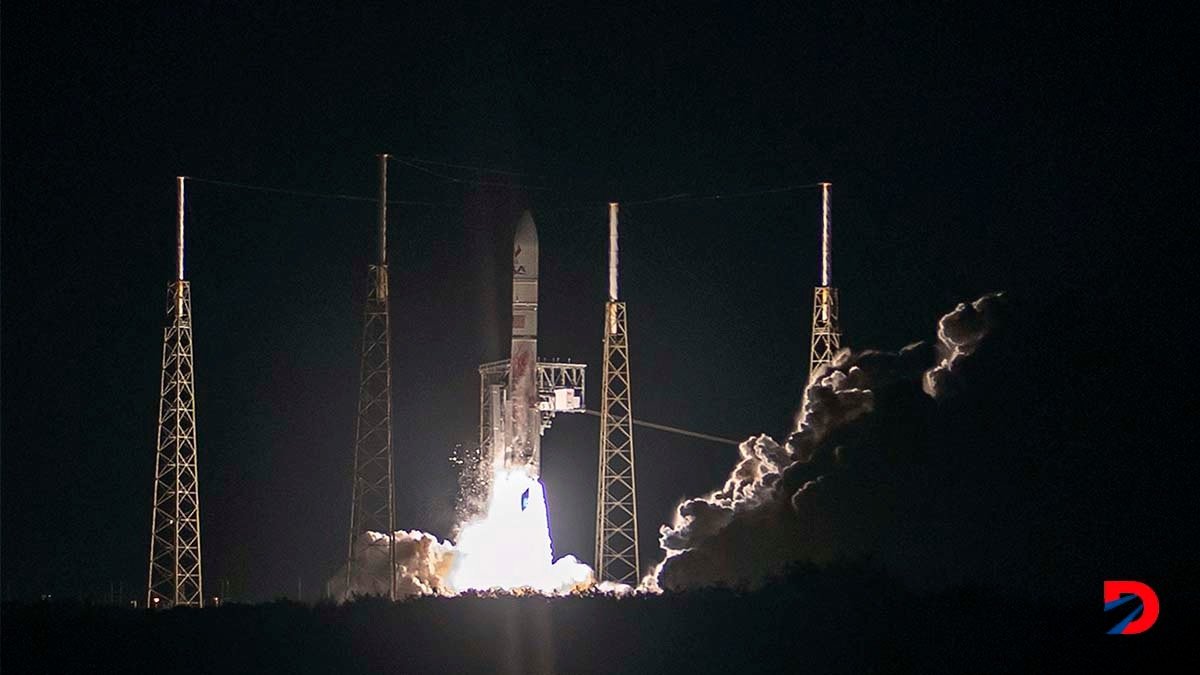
(510, 548)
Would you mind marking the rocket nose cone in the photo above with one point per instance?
(526, 230)
(525, 248)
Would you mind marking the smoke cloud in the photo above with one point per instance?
(861, 475)
(959, 334)
(423, 563)
(507, 548)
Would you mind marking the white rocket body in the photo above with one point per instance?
(522, 447)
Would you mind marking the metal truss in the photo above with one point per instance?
(372, 508)
(616, 494)
(826, 333)
(552, 377)
(175, 573)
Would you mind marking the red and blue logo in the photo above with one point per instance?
(1136, 604)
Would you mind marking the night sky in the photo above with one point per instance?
(1040, 152)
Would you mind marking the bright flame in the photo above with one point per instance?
(510, 547)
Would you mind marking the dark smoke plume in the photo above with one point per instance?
(869, 471)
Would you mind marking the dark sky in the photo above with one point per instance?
(1036, 151)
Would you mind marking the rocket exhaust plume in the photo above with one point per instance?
(508, 546)
(506, 549)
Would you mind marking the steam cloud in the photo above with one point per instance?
(423, 563)
(852, 480)
(959, 334)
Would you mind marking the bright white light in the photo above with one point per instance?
(509, 548)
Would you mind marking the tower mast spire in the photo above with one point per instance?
(175, 572)
(371, 561)
(826, 331)
(612, 252)
(616, 493)
(383, 166)
(179, 230)
(826, 238)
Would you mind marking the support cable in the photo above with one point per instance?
(676, 430)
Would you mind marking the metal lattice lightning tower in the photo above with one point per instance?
(826, 331)
(616, 491)
(175, 576)
(372, 508)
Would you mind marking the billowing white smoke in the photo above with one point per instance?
(959, 334)
(422, 565)
(507, 548)
(786, 503)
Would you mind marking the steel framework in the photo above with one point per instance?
(373, 494)
(616, 491)
(561, 389)
(175, 572)
(826, 330)
(826, 336)
(554, 380)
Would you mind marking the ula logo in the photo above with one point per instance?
(1136, 604)
(517, 269)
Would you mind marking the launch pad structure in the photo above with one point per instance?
(372, 507)
(826, 329)
(175, 576)
(519, 398)
(616, 488)
(506, 404)
(561, 387)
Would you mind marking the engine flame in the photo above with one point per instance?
(509, 548)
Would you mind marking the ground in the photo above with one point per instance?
(846, 619)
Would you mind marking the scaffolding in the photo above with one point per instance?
(373, 494)
(175, 575)
(616, 488)
(561, 389)
(826, 329)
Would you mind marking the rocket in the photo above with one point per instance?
(522, 446)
